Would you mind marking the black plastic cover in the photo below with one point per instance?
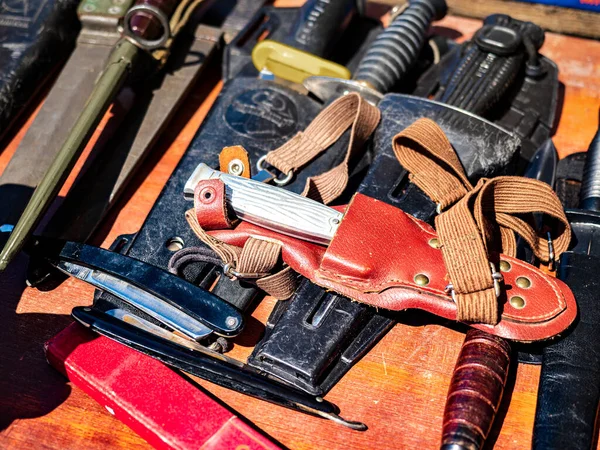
(569, 392)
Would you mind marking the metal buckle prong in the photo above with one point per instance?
(230, 272)
(496, 277)
(551, 254)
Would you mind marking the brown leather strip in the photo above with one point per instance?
(481, 219)
(238, 155)
(228, 253)
(351, 110)
(280, 285)
(467, 263)
(512, 201)
(257, 256)
(209, 205)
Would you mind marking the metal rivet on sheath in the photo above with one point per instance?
(207, 195)
(434, 242)
(517, 302)
(505, 266)
(235, 167)
(523, 282)
(421, 280)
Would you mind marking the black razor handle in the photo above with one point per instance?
(217, 369)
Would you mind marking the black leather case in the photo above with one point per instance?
(35, 35)
(569, 391)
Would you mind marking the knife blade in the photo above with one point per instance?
(139, 298)
(145, 325)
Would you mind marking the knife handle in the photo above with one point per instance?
(397, 48)
(269, 206)
(475, 391)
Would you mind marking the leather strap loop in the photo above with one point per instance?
(424, 150)
(257, 259)
(481, 220)
(350, 110)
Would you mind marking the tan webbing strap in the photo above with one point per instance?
(351, 110)
(256, 260)
(228, 253)
(469, 229)
(424, 150)
(181, 16)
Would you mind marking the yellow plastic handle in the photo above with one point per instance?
(292, 64)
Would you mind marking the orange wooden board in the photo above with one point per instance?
(398, 389)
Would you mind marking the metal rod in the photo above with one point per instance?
(107, 86)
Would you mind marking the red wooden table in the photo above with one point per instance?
(398, 389)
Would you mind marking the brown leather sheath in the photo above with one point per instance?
(386, 258)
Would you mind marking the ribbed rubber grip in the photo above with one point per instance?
(590, 184)
(475, 391)
(396, 49)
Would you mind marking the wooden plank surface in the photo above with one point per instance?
(398, 389)
(552, 18)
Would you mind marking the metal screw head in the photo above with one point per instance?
(235, 167)
(421, 279)
(505, 266)
(517, 302)
(334, 221)
(523, 282)
(231, 322)
(434, 242)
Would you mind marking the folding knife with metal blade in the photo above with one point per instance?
(171, 300)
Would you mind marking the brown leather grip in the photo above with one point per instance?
(475, 391)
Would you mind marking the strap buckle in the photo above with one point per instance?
(496, 277)
(551, 254)
(230, 272)
(260, 165)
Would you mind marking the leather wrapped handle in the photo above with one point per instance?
(475, 391)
